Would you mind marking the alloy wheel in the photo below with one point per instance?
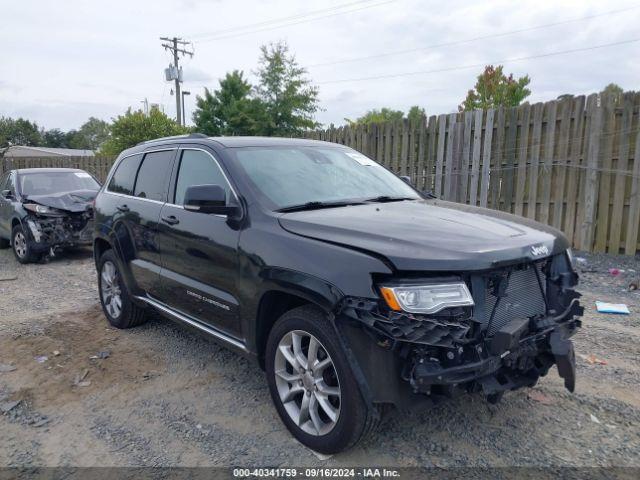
(307, 382)
(20, 245)
(110, 289)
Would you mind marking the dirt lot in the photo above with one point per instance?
(160, 396)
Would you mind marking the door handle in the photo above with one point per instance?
(122, 208)
(172, 220)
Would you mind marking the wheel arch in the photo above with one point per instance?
(100, 245)
(15, 221)
(288, 290)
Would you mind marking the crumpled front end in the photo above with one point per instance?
(64, 229)
(519, 327)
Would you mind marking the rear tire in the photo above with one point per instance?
(115, 299)
(21, 249)
(335, 417)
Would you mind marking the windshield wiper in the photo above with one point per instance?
(316, 206)
(387, 198)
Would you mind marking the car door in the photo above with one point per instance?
(139, 190)
(199, 251)
(6, 205)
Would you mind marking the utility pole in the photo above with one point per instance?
(177, 46)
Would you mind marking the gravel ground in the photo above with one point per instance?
(158, 395)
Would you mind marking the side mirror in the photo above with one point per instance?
(406, 179)
(207, 199)
(7, 193)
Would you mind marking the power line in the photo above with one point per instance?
(477, 65)
(279, 20)
(249, 32)
(470, 40)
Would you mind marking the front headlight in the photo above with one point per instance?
(427, 298)
(40, 209)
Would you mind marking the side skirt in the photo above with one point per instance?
(218, 335)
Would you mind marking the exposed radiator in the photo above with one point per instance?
(523, 298)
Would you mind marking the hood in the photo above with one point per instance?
(76, 201)
(430, 235)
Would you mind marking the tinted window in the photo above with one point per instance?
(152, 176)
(198, 168)
(125, 176)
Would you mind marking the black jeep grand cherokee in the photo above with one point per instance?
(350, 288)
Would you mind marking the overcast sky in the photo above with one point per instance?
(65, 61)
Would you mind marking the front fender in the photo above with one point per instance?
(104, 232)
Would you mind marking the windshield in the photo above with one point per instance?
(50, 183)
(288, 177)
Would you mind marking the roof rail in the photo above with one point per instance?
(175, 137)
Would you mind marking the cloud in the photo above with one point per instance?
(195, 74)
(104, 60)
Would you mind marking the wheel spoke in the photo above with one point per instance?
(293, 392)
(327, 390)
(304, 410)
(313, 352)
(329, 409)
(313, 413)
(297, 350)
(289, 356)
(288, 377)
(106, 278)
(319, 368)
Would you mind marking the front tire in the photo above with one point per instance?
(21, 248)
(115, 299)
(312, 385)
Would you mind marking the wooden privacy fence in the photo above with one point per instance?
(98, 166)
(572, 163)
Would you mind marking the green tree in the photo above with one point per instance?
(19, 132)
(494, 89)
(90, 136)
(290, 99)
(416, 114)
(230, 110)
(54, 138)
(614, 90)
(134, 127)
(377, 116)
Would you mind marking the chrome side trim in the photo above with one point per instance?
(182, 318)
(150, 200)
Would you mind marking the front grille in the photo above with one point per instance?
(523, 299)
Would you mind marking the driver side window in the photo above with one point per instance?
(198, 168)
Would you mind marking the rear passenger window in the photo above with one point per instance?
(152, 176)
(198, 168)
(125, 176)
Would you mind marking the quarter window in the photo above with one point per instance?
(198, 168)
(152, 176)
(125, 176)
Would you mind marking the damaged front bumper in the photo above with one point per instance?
(463, 350)
(50, 233)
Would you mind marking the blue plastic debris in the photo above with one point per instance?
(619, 308)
